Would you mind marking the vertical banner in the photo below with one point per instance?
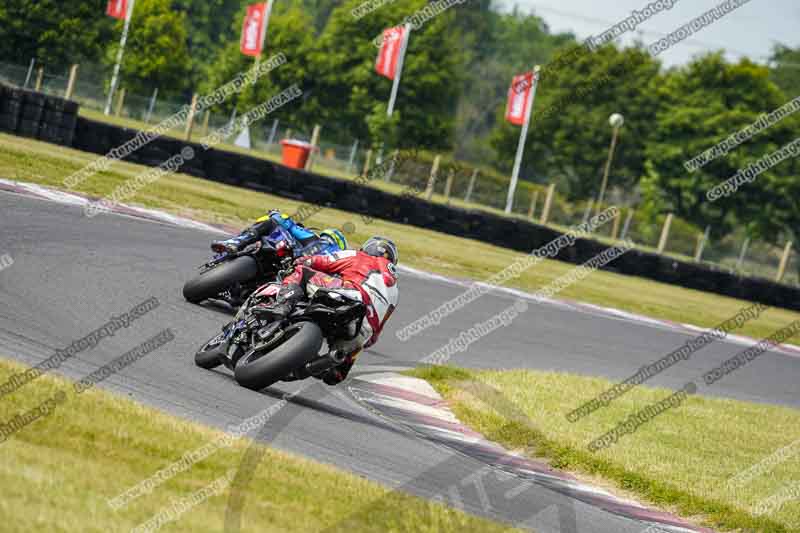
(518, 111)
(254, 29)
(389, 55)
(117, 9)
(518, 96)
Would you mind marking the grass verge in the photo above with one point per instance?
(58, 473)
(46, 164)
(684, 460)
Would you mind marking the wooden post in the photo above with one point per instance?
(190, 118)
(388, 176)
(587, 211)
(288, 133)
(449, 185)
(432, 178)
(742, 253)
(701, 243)
(662, 242)
(120, 102)
(784, 261)
(39, 79)
(627, 225)
(548, 202)
(73, 77)
(206, 118)
(615, 227)
(365, 173)
(532, 209)
(314, 142)
(468, 196)
(273, 131)
(352, 159)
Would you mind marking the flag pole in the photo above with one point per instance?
(120, 52)
(400, 61)
(264, 31)
(512, 187)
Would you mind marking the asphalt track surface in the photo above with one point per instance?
(72, 273)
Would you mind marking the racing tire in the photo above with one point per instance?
(212, 282)
(212, 353)
(258, 369)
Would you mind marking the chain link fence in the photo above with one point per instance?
(457, 183)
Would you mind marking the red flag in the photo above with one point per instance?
(518, 93)
(254, 29)
(117, 8)
(389, 54)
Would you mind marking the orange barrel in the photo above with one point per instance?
(295, 153)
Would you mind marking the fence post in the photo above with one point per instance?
(701, 244)
(432, 178)
(30, 73)
(587, 211)
(352, 159)
(39, 79)
(206, 119)
(120, 102)
(532, 209)
(288, 133)
(784, 261)
(615, 227)
(742, 253)
(388, 176)
(548, 202)
(273, 131)
(314, 142)
(190, 118)
(468, 196)
(627, 225)
(448, 186)
(151, 106)
(73, 77)
(662, 242)
(365, 173)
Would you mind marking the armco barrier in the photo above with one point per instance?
(516, 234)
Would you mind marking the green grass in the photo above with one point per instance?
(680, 460)
(46, 164)
(58, 473)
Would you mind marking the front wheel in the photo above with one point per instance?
(212, 354)
(267, 364)
(220, 278)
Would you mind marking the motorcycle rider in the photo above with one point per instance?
(368, 275)
(328, 241)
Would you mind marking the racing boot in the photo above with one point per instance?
(233, 245)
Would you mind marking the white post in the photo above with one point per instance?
(702, 244)
(400, 61)
(353, 151)
(273, 132)
(471, 187)
(512, 187)
(152, 106)
(30, 73)
(120, 53)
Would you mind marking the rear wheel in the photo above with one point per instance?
(220, 278)
(270, 362)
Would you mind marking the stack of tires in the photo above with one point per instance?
(37, 115)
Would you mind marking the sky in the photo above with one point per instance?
(750, 30)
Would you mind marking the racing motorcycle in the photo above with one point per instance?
(232, 277)
(262, 350)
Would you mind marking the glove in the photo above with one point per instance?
(302, 261)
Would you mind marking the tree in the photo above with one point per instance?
(347, 90)
(704, 103)
(569, 134)
(156, 54)
(786, 69)
(55, 32)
